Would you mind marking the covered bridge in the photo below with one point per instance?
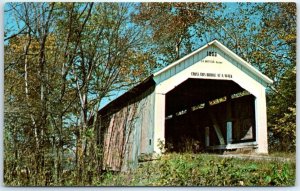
(211, 99)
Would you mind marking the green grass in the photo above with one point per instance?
(290, 155)
(204, 170)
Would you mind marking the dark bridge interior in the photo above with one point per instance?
(199, 103)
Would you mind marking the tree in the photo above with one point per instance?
(31, 57)
(174, 27)
(108, 59)
(57, 71)
(282, 100)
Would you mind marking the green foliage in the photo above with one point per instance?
(281, 21)
(205, 170)
(282, 114)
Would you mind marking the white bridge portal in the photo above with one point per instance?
(210, 98)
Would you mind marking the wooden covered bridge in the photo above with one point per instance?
(211, 98)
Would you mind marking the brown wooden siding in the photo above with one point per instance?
(128, 132)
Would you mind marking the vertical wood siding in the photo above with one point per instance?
(128, 133)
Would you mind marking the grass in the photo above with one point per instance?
(290, 155)
(204, 170)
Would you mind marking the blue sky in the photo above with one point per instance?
(11, 23)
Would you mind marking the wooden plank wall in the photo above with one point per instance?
(128, 133)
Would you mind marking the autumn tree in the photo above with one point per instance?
(28, 61)
(107, 60)
(174, 27)
(65, 59)
(281, 21)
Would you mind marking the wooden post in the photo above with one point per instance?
(229, 119)
(215, 125)
(206, 136)
(229, 132)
